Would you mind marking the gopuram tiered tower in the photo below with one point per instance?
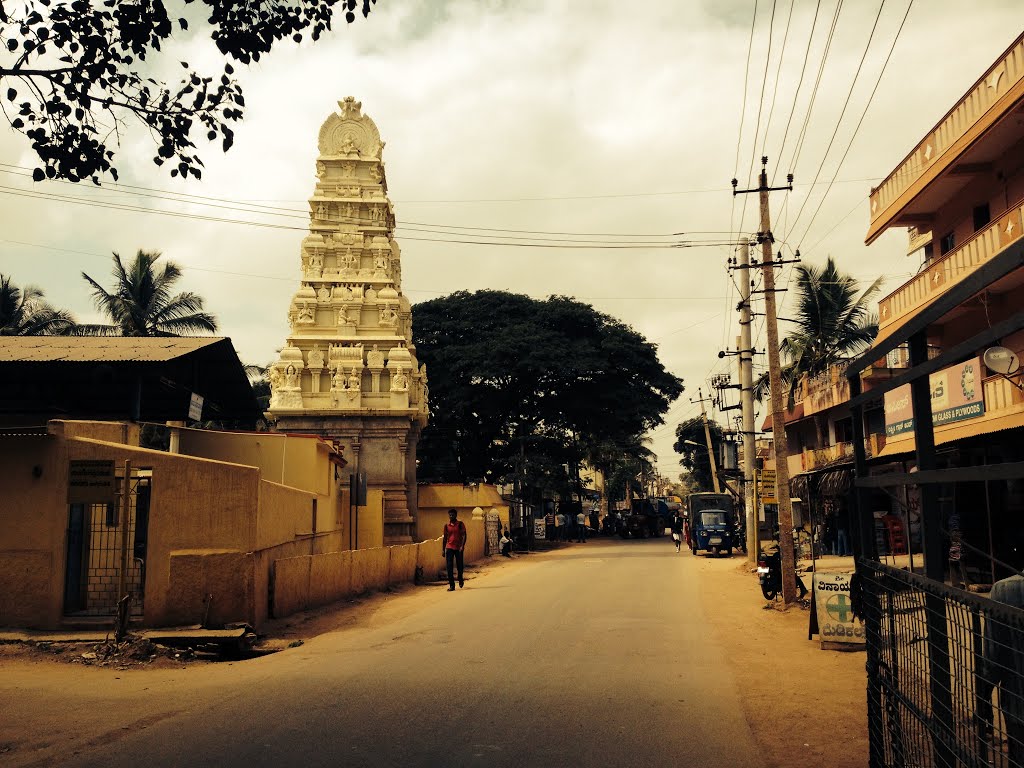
(349, 371)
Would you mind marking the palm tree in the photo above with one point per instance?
(141, 303)
(834, 323)
(259, 380)
(24, 312)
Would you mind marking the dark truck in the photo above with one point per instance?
(711, 518)
(643, 520)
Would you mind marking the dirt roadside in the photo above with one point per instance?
(807, 707)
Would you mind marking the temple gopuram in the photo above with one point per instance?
(349, 371)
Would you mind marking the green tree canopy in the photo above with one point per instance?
(513, 379)
(141, 303)
(76, 73)
(834, 322)
(24, 312)
(695, 454)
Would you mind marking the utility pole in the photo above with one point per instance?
(746, 360)
(765, 238)
(707, 437)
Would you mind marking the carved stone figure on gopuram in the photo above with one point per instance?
(368, 392)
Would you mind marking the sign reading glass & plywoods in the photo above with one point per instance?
(91, 481)
(956, 395)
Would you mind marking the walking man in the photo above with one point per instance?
(677, 530)
(453, 546)
(581, 527)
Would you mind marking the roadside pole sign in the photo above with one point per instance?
(195, 407)
(91, 481)
(832, 616)
(767, 486)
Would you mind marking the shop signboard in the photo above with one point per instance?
(538, 528)
(956, 394)
(832, 616)
(91, 481)
(766, 485)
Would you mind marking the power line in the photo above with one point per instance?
(814, 90)
(743, 113)
(760, 106)
(31, 194)
(298, 278)
(245, 207)
(860, 122)
(796, 93)
(842, 113)
(778, 72)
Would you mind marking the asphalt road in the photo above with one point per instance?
(593, 655)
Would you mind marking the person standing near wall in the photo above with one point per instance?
(581, 527)
(452, 548)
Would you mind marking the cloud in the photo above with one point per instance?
(598, 117)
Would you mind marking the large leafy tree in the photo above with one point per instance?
(518, 383)
(834, 321)
(141, 302)
(73, 75)
(691, 445)
(24, 312)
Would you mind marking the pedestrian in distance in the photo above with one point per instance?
(453, 548)
(505, 545)
(677, 530)
(581, 527)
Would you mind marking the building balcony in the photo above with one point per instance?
(942, 273)
(826, 390)
(816, 458)
(962, 145)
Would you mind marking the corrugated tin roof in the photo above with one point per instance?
(97, 349)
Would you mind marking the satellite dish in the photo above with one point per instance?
(1001, 360)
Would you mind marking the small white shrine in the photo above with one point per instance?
(349, 371)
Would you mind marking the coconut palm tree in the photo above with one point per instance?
(834, 323)
(141, 303)
(24, 312)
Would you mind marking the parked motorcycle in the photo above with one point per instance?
(769, 573)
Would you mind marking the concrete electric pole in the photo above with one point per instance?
(746, 363)
(782, 494)
(707, 437)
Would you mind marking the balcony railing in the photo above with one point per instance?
(943, 272)
(815, 458)
(986, 93)
(825, 390)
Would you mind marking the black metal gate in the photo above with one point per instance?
(945, 673)
(94, 546)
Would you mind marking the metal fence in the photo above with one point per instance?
(945, 671)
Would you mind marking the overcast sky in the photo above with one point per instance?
(591, 117)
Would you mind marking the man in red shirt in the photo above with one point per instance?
(453, 545)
